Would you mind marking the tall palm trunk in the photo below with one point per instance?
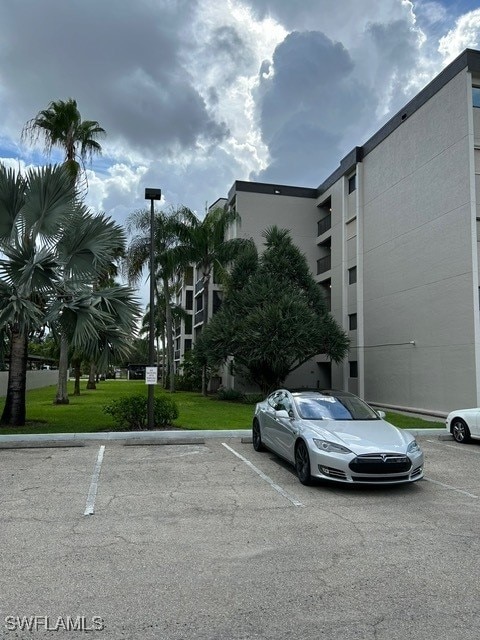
(14, 411)
(206, 295)
(170, 350)
(164, 359)
(77, 368)
(92, 376)
(62, 393)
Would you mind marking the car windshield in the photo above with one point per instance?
(348, 407)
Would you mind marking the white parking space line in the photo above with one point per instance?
(449, 486)
(275, 486)
(92, 493)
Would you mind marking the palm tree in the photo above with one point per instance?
(165, 234)
(205, 244)
(32, 208)
(86, 250)
(104, 318)
(51, 247)
(61, 125)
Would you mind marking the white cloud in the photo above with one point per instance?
(465, 34)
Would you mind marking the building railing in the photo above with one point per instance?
(199, 286)
(199, 316)
(176, 355)
(324, 264)
(324, 224)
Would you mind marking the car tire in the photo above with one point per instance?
(257, 436)
(460, 430)
(302, 463)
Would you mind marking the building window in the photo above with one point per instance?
(352, 183)
(188, 345)
(188, 324)
(476, 96)
(189, 300)
(353, 365)
(352, 321)
(352, 275)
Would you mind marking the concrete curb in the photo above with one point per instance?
(145, 438)
(130, 438)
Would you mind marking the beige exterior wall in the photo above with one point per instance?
(259, 211)
(418, 275)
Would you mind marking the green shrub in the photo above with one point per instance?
(253, 398)
(131, 412)
(230, 395)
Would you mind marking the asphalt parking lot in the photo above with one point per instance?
(194, 542)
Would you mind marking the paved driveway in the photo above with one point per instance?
(214, 541)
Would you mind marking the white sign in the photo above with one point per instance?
(151, 375)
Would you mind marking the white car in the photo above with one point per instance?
(334, 435)
(464, 424)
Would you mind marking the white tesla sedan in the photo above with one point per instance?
(464, 424)
(334, 435)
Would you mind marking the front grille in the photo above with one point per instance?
(373, 479)
(381, 463)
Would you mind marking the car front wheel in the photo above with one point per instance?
(257, 436)
(302, 463)
(460, 430)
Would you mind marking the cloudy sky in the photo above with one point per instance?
(195, 94)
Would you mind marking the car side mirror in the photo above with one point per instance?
(282, 413)
(381, 414)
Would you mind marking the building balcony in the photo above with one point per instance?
(199, 286)
(176, 355)
(324, 264)
(324, 225)
(198, 317)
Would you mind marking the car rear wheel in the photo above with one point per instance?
(460, 430)
(257, 436)
(302, 463)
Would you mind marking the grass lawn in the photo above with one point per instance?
(85, 412)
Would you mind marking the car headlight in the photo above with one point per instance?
(413, 447)
(330, 447)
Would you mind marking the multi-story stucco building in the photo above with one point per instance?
(392, 238)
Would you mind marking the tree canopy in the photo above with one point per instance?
(61, 125)
(273, 317)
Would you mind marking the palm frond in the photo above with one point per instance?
(49, 202)
(12, 198)
(88, 246)
(28, 268)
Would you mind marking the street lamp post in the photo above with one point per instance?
(152, 195)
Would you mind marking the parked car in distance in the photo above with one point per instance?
(464, 424)
(334, 435)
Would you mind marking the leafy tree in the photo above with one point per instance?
(61, 125)
(273, 317)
